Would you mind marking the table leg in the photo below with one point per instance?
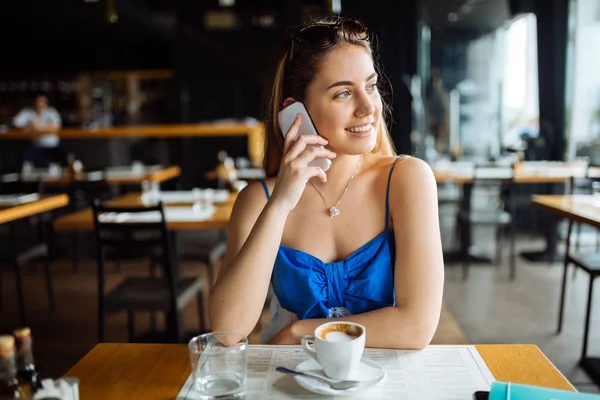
(564, 281)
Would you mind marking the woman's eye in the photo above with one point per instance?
(372, 87)
(345, 93)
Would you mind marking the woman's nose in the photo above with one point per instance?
(365, 107)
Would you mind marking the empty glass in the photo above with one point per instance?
(27, 168)
(202, 199)
(54, 169)
(137, 167)
(149, 196)
(219, 363)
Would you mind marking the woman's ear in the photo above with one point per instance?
(288, 101)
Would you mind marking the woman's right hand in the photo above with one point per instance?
(294, 171)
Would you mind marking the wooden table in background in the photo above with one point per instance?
(568, 207)
(158, 371)
(44, 204)
(161, 175)
(254, 132)
(84, 220)
(575, 208)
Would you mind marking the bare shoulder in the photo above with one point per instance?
(253, 196)
(406, 168)
(246, 210)
(412, 177)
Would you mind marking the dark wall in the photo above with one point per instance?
(70, 36)
(394, 24)
(232, 85)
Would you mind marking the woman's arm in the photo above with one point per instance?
(254, 235)
(255, 232)
(419, 268)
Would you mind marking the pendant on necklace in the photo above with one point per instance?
(333, 211)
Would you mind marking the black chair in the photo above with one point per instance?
(589, 263)
(501, 216)
(168, 293)
(82, 193)
(582, 185)
(21, 250)
(91, 186)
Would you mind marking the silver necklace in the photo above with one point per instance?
(334, 210)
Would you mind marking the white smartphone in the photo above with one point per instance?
(286, 118)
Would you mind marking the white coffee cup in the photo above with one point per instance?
(338, 346)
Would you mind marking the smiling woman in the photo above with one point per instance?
(362, 241)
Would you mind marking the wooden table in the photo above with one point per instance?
(582, 209)
(525, 173)
(569, 207)
(45, 204)
(254, 132)
(521, 177)
(84, 220)
(158, 371)
(161, 175)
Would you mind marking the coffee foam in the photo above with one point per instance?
(340, 332)
(335, 336)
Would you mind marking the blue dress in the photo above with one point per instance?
(305, 287)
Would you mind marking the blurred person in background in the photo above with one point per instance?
(45, 120)
(438, 115)
(359, 242)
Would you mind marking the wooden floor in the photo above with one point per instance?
(63, 337)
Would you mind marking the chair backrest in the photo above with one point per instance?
(84, 190)
(138, 228)
(493, 182)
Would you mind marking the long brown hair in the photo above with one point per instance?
(293, 79)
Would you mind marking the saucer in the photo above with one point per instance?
(369, 373)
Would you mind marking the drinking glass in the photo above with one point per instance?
(137, 167)
(197, 199)
(219, 363)
(27, 168)
(155, 190)
(54, 169)
(146, 192)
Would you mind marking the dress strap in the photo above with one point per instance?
(264, 185)
(387, 194)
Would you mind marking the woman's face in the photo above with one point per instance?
(343, 100)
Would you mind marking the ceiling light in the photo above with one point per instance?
(453, 17)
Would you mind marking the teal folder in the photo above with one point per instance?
(513, 391)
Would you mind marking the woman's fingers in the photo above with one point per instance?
(316, 172)
(312, 152)
(290, 136)
(304, 142)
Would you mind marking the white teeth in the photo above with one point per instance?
(360, 129)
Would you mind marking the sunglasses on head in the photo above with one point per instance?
(324, 35)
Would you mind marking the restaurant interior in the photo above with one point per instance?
(156, 122)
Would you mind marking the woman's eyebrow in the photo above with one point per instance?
(350, 83)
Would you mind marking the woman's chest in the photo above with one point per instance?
(312, 229)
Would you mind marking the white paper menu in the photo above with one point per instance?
(436, 372)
